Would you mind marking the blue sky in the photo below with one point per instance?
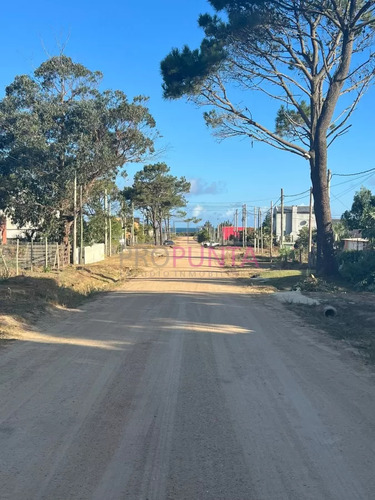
(126, 41)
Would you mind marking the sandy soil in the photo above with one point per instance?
(183, 385)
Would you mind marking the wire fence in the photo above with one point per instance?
(17, 256)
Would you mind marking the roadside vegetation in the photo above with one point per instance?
(25, 299)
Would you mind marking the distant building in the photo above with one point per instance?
(9, 230)
(3, 230)
(296, 218)
(231, 232)
(355, 243)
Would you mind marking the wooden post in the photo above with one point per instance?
(105, 222)
(58, 255)
(329, 178)
(110, 228)
(75, 221)
(282, 219)
(132, 229)
(255, 232)
(271, 231)
(261, 231)
(244, 226)
(31, 255)
(81, 225)
(17, 256)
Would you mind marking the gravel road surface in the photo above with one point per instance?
(183, 385)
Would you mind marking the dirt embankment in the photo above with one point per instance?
(353, 323)
(26, 298)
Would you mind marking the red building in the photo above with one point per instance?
(230, 232)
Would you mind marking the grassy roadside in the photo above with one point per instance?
(25, 299)
(354, 323)
(259, 273)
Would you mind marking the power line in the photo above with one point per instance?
(298, 194)
(365, 177)
(356, 173)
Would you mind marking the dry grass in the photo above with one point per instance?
(25, 299)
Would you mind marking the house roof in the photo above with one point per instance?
(301, 209)
(357, 240)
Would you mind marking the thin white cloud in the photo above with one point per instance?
(199, 187)
(197, 210)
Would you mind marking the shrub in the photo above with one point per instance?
(358, 267)
(286, 253)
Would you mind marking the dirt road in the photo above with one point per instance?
(184, 386)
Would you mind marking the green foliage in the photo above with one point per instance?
(157, 194)
(340, 230)
(56, 125)
(286, 254)
(184, 71)
(302, 240)
(266, 229)
(289, 122)
(362, 214)
(358, 267)
(203, 235)
(226, 223)
(94, 229)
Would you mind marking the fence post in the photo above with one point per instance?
(31, 255)
(58, 255)
(46, 250)
(17, 256)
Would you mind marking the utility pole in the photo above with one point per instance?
(329, 177)
(244, 224)
(110, 228)
(282, 218)
(261, 230)
(75, 221)
(81, 224)
(255, 225)
(105, 222)
(123, 214)
(236, 222)
(310, 226)
(132, 234)
(271, 231)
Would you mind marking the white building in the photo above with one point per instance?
(9, 230)
(358, 244)
(295, 218)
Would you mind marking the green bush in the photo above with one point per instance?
(287, 253)
(203, 235)
(358, 267)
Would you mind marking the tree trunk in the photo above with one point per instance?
(325, 259)
(155, 229)
(161, 232)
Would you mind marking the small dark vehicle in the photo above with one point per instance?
(168, 243)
